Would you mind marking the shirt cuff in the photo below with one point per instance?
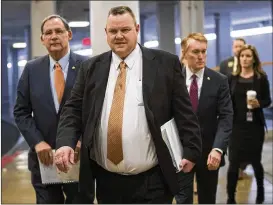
(219, 150)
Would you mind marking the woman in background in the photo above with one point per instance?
(248, 133)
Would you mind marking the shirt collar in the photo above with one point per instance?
(63, 61)
(129, 60)
(235, 59)
(189, 73)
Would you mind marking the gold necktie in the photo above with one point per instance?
(59, 81)
(114, 139)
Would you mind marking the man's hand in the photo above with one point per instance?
(77, 152)
(186, 165)
(214, 160)
(44, 153)
(64, 156)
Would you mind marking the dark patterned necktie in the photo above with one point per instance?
(194, 93)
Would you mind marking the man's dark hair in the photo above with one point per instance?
(119, 10)
(54, 16)
(240, 39)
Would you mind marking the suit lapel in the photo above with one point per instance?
(206, 85)
(71, 74)
(150, 69)
(45, 78)
(100, 75)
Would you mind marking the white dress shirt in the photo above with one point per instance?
(235, 64)
(199, 79)
(138, 147)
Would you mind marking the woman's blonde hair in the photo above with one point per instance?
(257, 66)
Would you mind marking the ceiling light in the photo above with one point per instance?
(78, 24)
(19, 45)
(177, 40)
(84, 52)
(251, 31)
(22, 63)
(210, 36)
(9, 65)
(151, 44)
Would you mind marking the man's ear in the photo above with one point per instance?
(70, 35)
(137, 28)
(42, 39)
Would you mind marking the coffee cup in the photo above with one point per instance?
(251, 95)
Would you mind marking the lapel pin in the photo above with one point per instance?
(208, 78)
(73, 68)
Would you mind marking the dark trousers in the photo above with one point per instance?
(206, 185)
(233, 172)
(185, 195)
(143, 188)
(207, 182)
(54, 194)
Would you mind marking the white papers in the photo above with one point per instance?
(171, 137)
(50, 174)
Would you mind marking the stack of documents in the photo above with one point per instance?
(51, 175)
(171, 138)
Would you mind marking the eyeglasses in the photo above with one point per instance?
(58, 32)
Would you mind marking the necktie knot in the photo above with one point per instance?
(122, 65)
(57, 66)
(193, 77)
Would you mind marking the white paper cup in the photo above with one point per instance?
(250, 94)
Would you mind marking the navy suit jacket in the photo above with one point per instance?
(215, 112)
(226, 66)
(34, 110)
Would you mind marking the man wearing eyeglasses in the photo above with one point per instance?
(43, 88)
(211, 102)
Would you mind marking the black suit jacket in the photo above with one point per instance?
(34, 110)
(261, 86)
(226, 66)
(165, 96)
(215, 112)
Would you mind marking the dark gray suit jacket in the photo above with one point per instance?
(226, 66)
(165, 96)
(215, 112)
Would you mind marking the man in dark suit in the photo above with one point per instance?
(210, 97)
(119, 101)
(42, 90)
(229, 65)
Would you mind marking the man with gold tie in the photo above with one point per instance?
(120, 100)
(43, 88)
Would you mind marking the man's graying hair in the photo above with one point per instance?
(119, 10)
(54, 16)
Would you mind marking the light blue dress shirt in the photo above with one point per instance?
(64, 62)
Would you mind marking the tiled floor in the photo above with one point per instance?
(16, 187)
